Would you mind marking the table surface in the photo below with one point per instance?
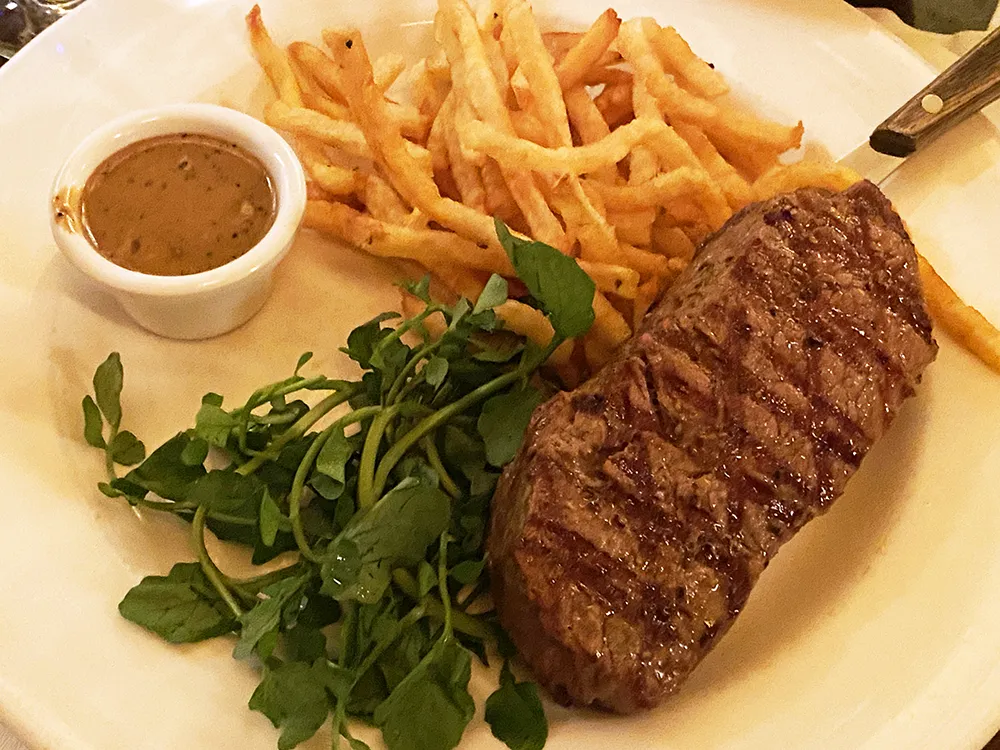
(940, 50)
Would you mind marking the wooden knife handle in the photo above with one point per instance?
(962, 90)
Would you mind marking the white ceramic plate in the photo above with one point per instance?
(877, 627)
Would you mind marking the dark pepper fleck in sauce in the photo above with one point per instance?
(177, 204)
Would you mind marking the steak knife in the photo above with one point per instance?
(963, 89)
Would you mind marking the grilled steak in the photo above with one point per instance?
(644, 505)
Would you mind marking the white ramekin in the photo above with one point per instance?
(198, 305)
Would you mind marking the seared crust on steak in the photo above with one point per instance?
(643, 506)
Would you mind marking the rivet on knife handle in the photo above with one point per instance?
(963, 89)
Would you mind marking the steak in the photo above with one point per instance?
(642, 507)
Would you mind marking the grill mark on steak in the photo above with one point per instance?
(641, 509)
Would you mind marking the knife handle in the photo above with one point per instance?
(971, 83)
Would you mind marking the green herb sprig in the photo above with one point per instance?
(381, 490)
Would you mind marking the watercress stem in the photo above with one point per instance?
(208, 566)
(400, 381)
(443, 583)
(434, 459)
(441, 416)
(460, 621)
(305, 466)
(297, 430)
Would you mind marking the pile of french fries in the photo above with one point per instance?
(617, 145)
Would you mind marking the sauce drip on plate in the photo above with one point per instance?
(177, 205)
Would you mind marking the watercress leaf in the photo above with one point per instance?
(403, 655)
(431, 707)
(515, 714)
(499, 352)
(225, 491)
(265, 616)
(164, 473)
(555, 280)
(389, 357)
(302, 360)
(362, 340)
(93, 423)
(426, 578)
(333, 457)
(212, 398)
(181, 607)
(305, 644)
(108, 389)
(213, 424)
(435, 371)
(419, 289)
(195, 452)
(294, 698)
(272, 520)
(400, 526)
(347, 576)
(355, 744)
(126, 449)
(463, 451)
(493, 294)
(503, 420)
(468, 571)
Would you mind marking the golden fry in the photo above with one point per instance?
(410, 179)
(430, 247)
(644, 299)
(696, 74)
(386, 69)
(582, 57)
(590, 127)
(612, 279)
(383, 202)
(736, 189)
(273, 60)
(533, 324)
(334, 180)
(671, 241)
(615, 103)
(963, 322)
(785, 178)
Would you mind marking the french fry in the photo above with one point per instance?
(676, 56)
(785, 178)
(412, 123)
(734, 187)
(464, 46)
(536, 64)
(463, 281)
(642, 163)
(612, 279)
(533, 324)
(386, 69)
(589, 49)
(429, 247)
(610, 327)
(590, 127)
(634, 227)
(666, 187)
(341, 134)
(635, 47)
(415, 184)
(671, 242)
(644, 299)
(523, 95)
(436, 144)
(499, 201)
(466, 174)
(615, 103)
(963, 322)
(570, 160)
(334, 180)
(273, 60)
(383, 202)
(529, 127)
(435, 324)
